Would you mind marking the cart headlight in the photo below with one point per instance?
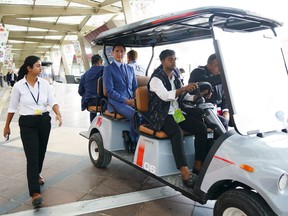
(283, 181)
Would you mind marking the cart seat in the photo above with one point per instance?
(142, 106)
(141, 81)
(99, 90)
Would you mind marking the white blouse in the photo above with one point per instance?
(31, 99)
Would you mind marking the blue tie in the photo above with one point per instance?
(126, 77)
(122, 69)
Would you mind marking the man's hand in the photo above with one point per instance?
(206, 94)
(130, 102)
(191, 87)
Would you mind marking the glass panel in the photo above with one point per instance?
(257, 80)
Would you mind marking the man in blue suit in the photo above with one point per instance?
(120, 83)
(88, 85)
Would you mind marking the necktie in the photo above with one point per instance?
(122, 69)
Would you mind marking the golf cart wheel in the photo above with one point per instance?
(241, 202)
(99, 157)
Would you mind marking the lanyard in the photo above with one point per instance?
(36, 101)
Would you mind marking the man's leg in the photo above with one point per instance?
(92, 102)
(199, 129)
(172, 129)
(128, 112)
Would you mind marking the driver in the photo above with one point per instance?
(164, 89)
(210, 73)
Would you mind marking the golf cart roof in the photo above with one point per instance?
(188, 25)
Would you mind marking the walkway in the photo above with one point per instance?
(73, 186)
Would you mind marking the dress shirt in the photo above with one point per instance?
(118, 64)
(156, 85)
(138, 69)
(12, 77)
(21, 96)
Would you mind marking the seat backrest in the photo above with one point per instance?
(142, 99)
(100, 87)
(142, 80)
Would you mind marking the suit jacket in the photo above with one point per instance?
(88, 85)
(119, 86)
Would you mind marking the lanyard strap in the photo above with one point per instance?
(36, 101)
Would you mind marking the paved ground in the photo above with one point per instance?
(73, 186)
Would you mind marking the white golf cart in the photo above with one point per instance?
(246, 168)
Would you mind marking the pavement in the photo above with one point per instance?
(73, 186)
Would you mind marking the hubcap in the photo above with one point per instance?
(94, 150)
(233, 212)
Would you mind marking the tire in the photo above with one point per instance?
(99, 157)
(241, 202)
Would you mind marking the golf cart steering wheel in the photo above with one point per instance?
(202, 86)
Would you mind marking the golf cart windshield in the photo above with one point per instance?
(256, 79)
(253, 70)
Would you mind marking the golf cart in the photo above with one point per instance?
(246, 168)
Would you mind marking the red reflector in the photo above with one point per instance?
(175, 17)
(99, 122)
(140, 155)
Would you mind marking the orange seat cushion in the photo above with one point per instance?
(158, 134)
(142, 99)
(94, 108)
(112, 115)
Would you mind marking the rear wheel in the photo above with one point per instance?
(99, 157)
(241, 203)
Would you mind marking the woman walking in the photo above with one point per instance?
(31, 95)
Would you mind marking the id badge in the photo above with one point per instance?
(38, 112)
(178, 116)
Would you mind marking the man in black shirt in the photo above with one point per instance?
(210, 73)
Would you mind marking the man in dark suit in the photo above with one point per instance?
(88, 85)
(11, 78)
(210, 73)
(120, 83)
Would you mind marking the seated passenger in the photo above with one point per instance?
(88, 85)
(132, 57)
(120, 83)
(210, 73)
(164, 89)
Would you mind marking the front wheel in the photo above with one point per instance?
(99, 157)
(241, 202)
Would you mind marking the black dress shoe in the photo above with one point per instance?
(126, 140)
(190, 182)
(133, 147)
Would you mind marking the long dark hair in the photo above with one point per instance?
(29, 61)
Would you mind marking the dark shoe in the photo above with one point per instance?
(126, 140)
(190, 182)
(41, 180)
(36, 199)
(133, 147)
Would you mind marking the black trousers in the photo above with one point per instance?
(34, 130)
(193, 125)
(92, 102)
